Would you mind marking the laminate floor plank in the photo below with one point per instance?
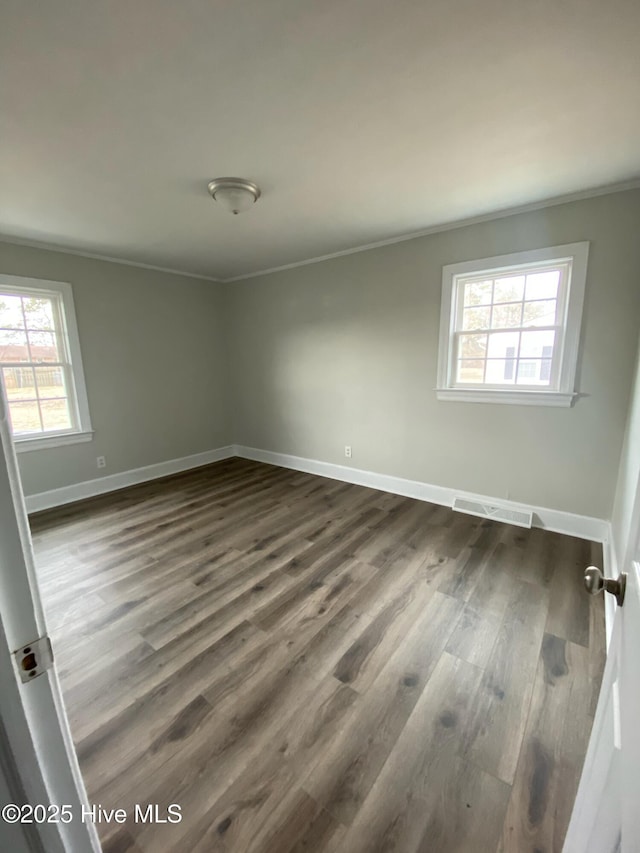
(80, 681)
(120, 842)
(474, 637)
(109, 698)
(497, 585)
(597, 650)
(427, 797)
(351, 767)
(130, 614)
(531, 554)
(306, 665)
(469, 565)
(267, 708)
(553, 750)
(364, 659)
(502, 707)
(247, 808)
(569, 608)
(161, 575)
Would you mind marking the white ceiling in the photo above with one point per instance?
(360, 121)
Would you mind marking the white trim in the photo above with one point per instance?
(113, 482)
(572, 257)
(47, 756)
(61, 294)
(567, 198)
(71, 328)
(516, 398)
(61, 250)
(558, 521)
(42, 442)
(610, 569)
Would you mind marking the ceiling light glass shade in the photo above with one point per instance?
(234, 194)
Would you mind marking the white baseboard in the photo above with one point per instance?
(113, 482)
(582, 526)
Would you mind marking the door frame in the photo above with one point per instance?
(42, 762)
(604, 755)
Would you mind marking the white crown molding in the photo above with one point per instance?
(580, 195)
(451, 226)
(52, 247)
(113, 482)
(558, 521)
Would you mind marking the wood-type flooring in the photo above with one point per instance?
(301, 664)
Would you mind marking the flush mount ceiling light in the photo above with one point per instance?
(235, 194)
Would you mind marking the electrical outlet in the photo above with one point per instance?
(347, 451)
(101, 461)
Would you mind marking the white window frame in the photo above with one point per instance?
(61, 292)
(565, 360)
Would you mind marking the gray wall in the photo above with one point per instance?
(155, 364)
(626, 509)
(344, 352)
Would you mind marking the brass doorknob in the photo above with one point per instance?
(595, 582)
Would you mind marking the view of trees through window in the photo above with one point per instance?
(506, 328)
(34, 364)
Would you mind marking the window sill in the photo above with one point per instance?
(42, 442)
(514, 398)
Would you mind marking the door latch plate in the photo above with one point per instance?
(34, 659)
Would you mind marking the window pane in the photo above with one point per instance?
(472, 346)
(44, 346)
(25, 417)
(533, 343)
(50, 382)
(501, 342)
(476, 318)
(510, 363)
(542, 285)
(55, 414)
(499, 371)
(35, 359)
(39, 312)
(478, 292)
(507, 316)
(470, 371)
(528, 370)
(509, 289)
(541, 313)
(545, 369)
(19, 383)
(534, 372)
(10, 312)
(13, 346)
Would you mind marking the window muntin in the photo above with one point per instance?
(40, 365)
(510, 327)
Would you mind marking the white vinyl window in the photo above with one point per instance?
(510, 327)
(40, 364)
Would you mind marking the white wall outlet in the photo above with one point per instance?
(101, 461)
(347, 451)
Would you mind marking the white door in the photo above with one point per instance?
(606, 815)
(37, 757)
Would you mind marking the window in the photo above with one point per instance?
(40, 364)
(510, 327)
